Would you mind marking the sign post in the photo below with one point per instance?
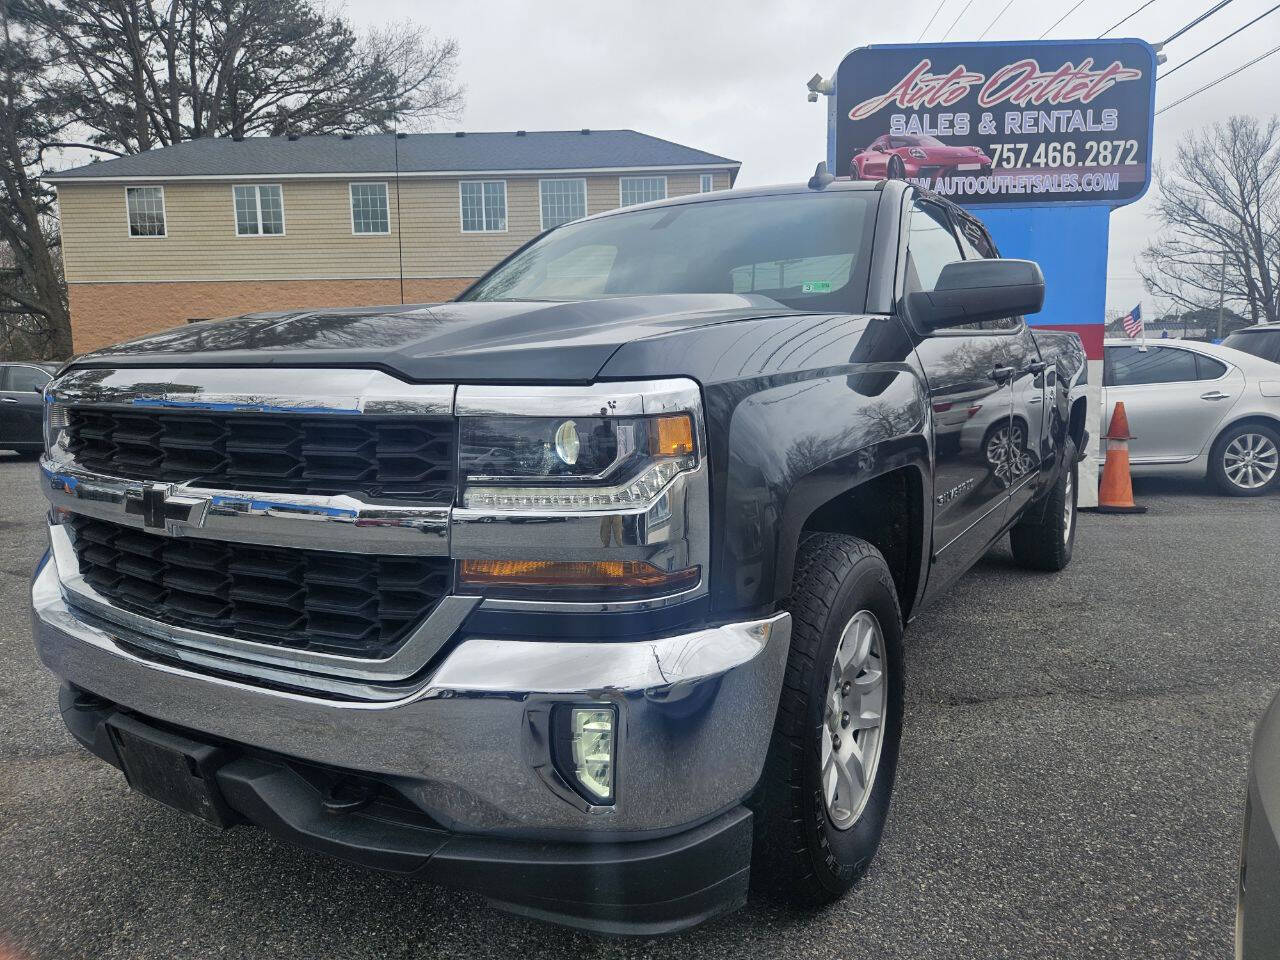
(1042, 138)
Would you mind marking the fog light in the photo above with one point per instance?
(591, 747)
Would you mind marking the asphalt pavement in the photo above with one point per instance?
(1071, 782)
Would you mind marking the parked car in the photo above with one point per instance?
(896, 157)
(21, 404)
(1258, 900)
(1261, 340)
(1197, 409)
(585, 591)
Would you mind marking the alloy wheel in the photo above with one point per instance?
(1069, 509)
(852, 735)
(1251, 460)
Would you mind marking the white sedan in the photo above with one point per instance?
(1197, 409)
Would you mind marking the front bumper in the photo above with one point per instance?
(1258, 907)
(469, 746)
(644, 887)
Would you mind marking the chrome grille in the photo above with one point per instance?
(387, 457)
(354, 604)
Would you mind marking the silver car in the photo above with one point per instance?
(1196, 409)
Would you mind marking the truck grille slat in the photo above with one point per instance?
(353, 604)
(391, 458)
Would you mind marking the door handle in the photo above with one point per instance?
(1036, 400)
(1215, 395)
(1002, 374)
(8, 399)
(1037, 366)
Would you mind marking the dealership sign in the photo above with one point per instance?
(1000, 123)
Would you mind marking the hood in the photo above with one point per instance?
(958, 154)
(489, 342)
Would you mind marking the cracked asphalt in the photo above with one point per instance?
(1071, 782)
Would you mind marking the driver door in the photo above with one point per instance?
(970, 389)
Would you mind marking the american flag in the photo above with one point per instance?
(1132, 322)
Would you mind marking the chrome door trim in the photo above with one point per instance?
(338, 523)
(422, 643)
(306, 392)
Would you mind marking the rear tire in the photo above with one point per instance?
(812, 843)
(1245, 460)
(1044, 539)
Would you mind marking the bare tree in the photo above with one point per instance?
(124, 76)
(34, 321)
(1219, 212)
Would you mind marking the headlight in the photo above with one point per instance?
(583, 464)
(918, 153)
(55, 424)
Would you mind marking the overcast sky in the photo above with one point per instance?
(729, 77)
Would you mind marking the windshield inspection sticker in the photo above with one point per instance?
(816, 286)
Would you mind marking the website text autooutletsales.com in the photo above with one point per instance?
(1020, 183)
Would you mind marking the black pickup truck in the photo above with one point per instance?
(586, 590)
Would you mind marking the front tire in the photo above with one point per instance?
(1245, 460)
(824, 795)
(1044, 539)
(895, 169)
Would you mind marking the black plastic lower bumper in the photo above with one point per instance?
(640, 887)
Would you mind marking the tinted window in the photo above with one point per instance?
(24, 379)
(930, 246)
(1264, 345)
(1131, 366)
(1208, 368)
(808, 251)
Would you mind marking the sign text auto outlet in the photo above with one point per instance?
(1057, 121)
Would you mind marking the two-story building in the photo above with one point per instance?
(217, 227)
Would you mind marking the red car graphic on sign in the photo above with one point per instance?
(895, 157)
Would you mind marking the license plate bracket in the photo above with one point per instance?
(173, 769)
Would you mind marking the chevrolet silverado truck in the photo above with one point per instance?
(584, 591)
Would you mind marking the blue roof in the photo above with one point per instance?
(513, 152)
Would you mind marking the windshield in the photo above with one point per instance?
(1258, 344)
(806, 251)
(925, 141)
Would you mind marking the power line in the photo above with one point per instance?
(1204, 16)
(957, 19)
(1219, 43)
(1063, 17)
(996, 18)
(1225, 76)
(1125, 19)
(936, 11)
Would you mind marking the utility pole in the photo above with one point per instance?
(1222, 291)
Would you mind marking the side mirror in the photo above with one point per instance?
(970, 291)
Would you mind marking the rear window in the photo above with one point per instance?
(1265, 345)
(1133, 366)
(807, 251)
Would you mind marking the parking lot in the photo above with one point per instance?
(1071, 780)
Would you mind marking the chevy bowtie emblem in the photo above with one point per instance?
(162, 509)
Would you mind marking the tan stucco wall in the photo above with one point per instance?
(106, 313)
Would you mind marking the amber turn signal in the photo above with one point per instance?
(552, 573)
(672, 436)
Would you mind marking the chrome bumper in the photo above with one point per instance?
(468, 746)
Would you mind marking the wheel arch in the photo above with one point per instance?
(888, 508)
(1262, 419)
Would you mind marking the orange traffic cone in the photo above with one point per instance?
(1116, 493)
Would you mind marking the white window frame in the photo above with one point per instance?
(506, 207)
(164, 213)
(257, 199)
(582, 180)
(642, 176)
(351, 207)
(706, 183)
